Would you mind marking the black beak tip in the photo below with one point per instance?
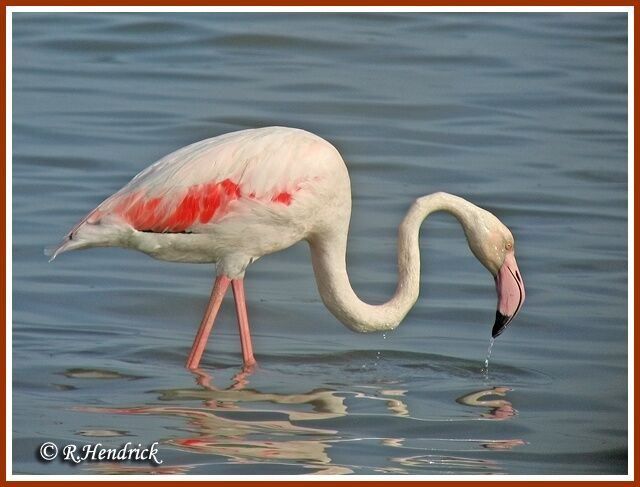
(500, 325)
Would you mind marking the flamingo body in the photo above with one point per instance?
(228, 200)
(231, 199)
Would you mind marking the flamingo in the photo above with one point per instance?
(234, 198)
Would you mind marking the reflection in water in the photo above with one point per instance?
(84, 373)
(325, 403)
(454, 463)
(96, 433)
(225, 427)
(499, 408)
(110, 468)
(503, 444)
(243, 426)
(396, 406)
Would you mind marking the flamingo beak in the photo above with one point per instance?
(510, 289)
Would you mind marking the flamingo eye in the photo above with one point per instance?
(509, 246)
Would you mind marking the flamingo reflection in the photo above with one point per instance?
(499, 410)
(224, 426)
(244, 426)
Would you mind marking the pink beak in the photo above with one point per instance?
(510, 290)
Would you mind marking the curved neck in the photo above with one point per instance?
(328, 255)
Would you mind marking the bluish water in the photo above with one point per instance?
(524, 114)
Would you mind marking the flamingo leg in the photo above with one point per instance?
(243, 322)
(200, 342)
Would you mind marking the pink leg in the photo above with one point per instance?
(219, 289)
(243, 322)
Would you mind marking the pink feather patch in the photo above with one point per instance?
(200, 204)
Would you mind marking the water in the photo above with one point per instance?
(524, 114)
(485, 369)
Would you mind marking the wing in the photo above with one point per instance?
(201, 183)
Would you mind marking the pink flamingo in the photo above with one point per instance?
(231, 199)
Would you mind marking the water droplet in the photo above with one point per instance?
(485, 369)
(384, 336)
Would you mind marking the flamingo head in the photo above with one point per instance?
(493, 245)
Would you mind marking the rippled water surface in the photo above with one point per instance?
(525, 115)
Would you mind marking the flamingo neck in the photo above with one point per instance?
(328, 255)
